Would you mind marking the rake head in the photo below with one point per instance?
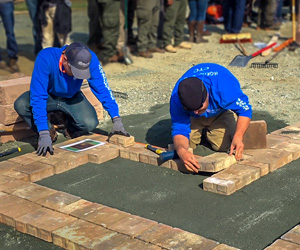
(264, 65)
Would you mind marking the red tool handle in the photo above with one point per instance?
(262, 50)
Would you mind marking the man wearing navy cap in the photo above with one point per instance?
(55, 86)
(208, 100)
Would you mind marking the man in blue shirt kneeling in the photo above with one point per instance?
(208, 100)
(55, 86)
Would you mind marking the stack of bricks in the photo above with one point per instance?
(11, 125)
(10, 90)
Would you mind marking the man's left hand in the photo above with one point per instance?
(118, 127)
(237, 145)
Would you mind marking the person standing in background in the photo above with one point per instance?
(33, 9)
(7, 15)
(95, 34)
(197, 19)
(266, 13)
(56, 21)
(148, 19)
(233, 12)
(174, 21)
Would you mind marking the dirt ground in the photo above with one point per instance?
(150, 81)
(261, 217)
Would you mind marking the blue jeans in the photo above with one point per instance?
(33, 8)
(7, 15)
(197, 10)
(80, 114)
(233, 12)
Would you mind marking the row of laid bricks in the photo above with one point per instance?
(73, 223)
(283, 146)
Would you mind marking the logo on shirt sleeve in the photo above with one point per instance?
(242, 104)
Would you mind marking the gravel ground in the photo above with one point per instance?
(150, 81)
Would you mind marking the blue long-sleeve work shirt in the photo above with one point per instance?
(47, 79)
(224, 94)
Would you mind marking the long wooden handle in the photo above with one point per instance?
(262, 50)
(283, 45)
(294, 19)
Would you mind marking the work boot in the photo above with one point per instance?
(170, 48)
(199, 38)
(3, 65)
(145, 54)
(53, 134)
(192, 31)
(13, 66)
(205, 32)
(71, 135)
(156, 50)
(184, 45)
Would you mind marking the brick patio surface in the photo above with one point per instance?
(74, 223)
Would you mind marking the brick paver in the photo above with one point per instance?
(102, 154)
(41, 222)
(81, 235)
(12, 207)
(255, 136)
(122, 140)
(57, 200)
(74, 206)
(17, 175)
(132, 225)
(293, 235)
(6, 166)
(274, 157)
(283, 245)
(27, 190)
(216, 162)
(36, 170)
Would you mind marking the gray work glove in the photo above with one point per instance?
(45, 143)
(118, 127)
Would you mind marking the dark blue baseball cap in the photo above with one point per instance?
(192, 93)
(79, 58)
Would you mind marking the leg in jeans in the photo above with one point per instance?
(221, 131)
(238, 16)
(33, 8)
(228, 13)
(7, 15)
(82, 115)
(201, 10)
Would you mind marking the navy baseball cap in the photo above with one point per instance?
(192, 93)
(79, 58)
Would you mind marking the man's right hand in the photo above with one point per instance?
(189, 160)
(45, 143)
